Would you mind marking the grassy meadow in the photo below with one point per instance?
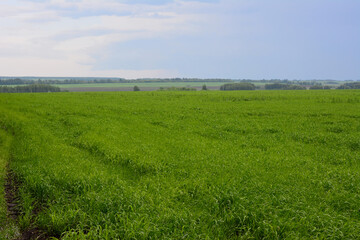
(185, 165)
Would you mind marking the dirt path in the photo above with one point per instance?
(12, 200)
(14, 209)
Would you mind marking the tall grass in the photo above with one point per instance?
(206, 165)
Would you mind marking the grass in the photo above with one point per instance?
(196, 165)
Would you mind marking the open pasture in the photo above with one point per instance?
(185, 165)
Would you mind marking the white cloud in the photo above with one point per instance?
(59, 37)
(32, 66)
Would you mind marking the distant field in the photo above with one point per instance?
(152, 84)
(184, 165)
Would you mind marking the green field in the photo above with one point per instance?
(149, 84)
(185, 165)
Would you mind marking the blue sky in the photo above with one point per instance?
(257, 39)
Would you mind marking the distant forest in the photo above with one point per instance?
(24, 81)
(237, 86)
(353, 85)
(42, 84)
(58, 80)
(30, 88)
(282, 86)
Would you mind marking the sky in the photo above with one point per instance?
(238, 39)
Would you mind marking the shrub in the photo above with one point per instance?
(275, 86)
(177, 89)
(319, 87)
(281, 86)
(237, 86)
(30, 88)
(353, 85)
(294, 87)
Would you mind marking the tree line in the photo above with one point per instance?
(237, 86)
(273, 86)
(86, 80)
(353, 85)
(177, 89)
(20, 81)
(319, 87)
(282, 86)
(29, 88)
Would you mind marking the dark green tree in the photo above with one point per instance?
(237, 86)
(30, 88)
(354, 85)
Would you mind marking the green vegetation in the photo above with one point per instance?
(319, 87)
(186, 165)
(237, 86)
(30, 88)
(282, 86)
(177, 89)
(353, 85)
(140, 85)
(83, 82)
(60, 81)
(136, 88)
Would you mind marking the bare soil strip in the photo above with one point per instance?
(14, 210)
(12, 200)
